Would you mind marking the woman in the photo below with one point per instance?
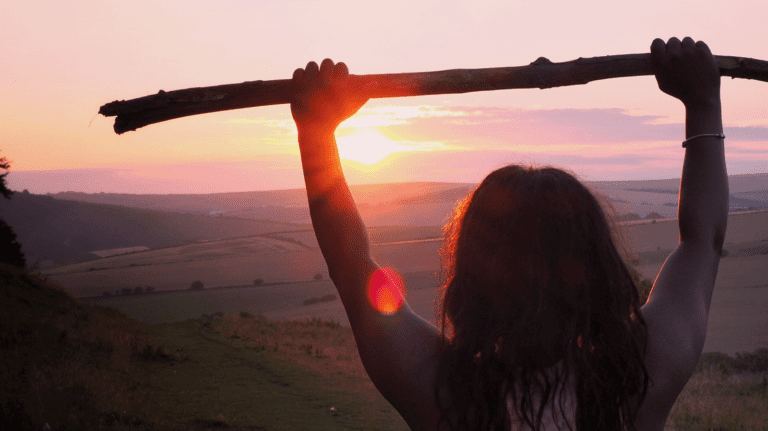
(541, 322)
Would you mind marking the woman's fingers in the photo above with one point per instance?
(703, 46)
(674, 48)
(298, 75)
(326, 72)
(340, 72)
(658, 51)
(704, 49)
(311, 71)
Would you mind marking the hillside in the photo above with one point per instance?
(418, 203)
(68, 365)
(60, 357)
(59, 232)
(68, 227)
(72, 366)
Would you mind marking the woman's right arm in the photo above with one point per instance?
(678, 308)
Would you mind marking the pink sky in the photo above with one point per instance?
(59, 61)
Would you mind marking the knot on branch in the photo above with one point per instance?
(541, 60)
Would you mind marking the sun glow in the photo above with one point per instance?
(368, 147)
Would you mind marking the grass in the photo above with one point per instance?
(713, 400)
(76, 366)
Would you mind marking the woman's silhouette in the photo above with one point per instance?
(542, 327)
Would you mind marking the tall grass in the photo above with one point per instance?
(64, 363)
(725, 393)
(316, 345)
(75, 366)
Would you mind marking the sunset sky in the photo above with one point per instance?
(61, 60)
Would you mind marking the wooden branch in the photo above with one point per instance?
(542, 73)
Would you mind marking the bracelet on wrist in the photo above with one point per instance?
(704, 135)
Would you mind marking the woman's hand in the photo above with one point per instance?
(324, 96)
(687, 71)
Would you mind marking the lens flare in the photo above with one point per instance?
(386, 292)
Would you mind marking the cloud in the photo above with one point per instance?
(274, 172)
(452, 144)
(496, 127)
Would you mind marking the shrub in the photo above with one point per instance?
(197, 285)
(318, 277)
(628, 217)
(10, 249)
(756, 362)
(149, 354)
(258, 282)
(327, 298)
(246, 315)
(644, 285)
(752, 362)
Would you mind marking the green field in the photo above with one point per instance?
(90, 367)
(280, 355)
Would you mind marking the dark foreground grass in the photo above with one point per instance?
(76, 366)
(725, 393)
(66, 365)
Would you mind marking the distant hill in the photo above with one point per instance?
(291, 205)
(65, 227)
(287, 205)
(369, 194)
(62, 232)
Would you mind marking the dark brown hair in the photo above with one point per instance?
(534, 279)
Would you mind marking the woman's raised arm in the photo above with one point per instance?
(397, 347)
(678, 308)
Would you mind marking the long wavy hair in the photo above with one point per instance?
(536, 294)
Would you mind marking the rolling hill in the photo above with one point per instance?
(68, 227)
(58, 232)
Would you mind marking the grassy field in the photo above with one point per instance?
(248, 364)
(75, 366)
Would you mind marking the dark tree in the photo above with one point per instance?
(10, 249)
(5, 164)
(197, 285)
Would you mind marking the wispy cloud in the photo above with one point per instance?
(433, 143)
(551, 127)
(484, 125)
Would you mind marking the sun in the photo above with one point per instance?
(368, 147)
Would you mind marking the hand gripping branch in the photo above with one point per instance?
(542, 73)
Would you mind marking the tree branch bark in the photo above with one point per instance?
(542, 73)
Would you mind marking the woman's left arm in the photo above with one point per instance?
(398, 348)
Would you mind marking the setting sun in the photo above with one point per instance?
(368, 147)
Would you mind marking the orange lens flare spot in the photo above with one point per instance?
(386, 292)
